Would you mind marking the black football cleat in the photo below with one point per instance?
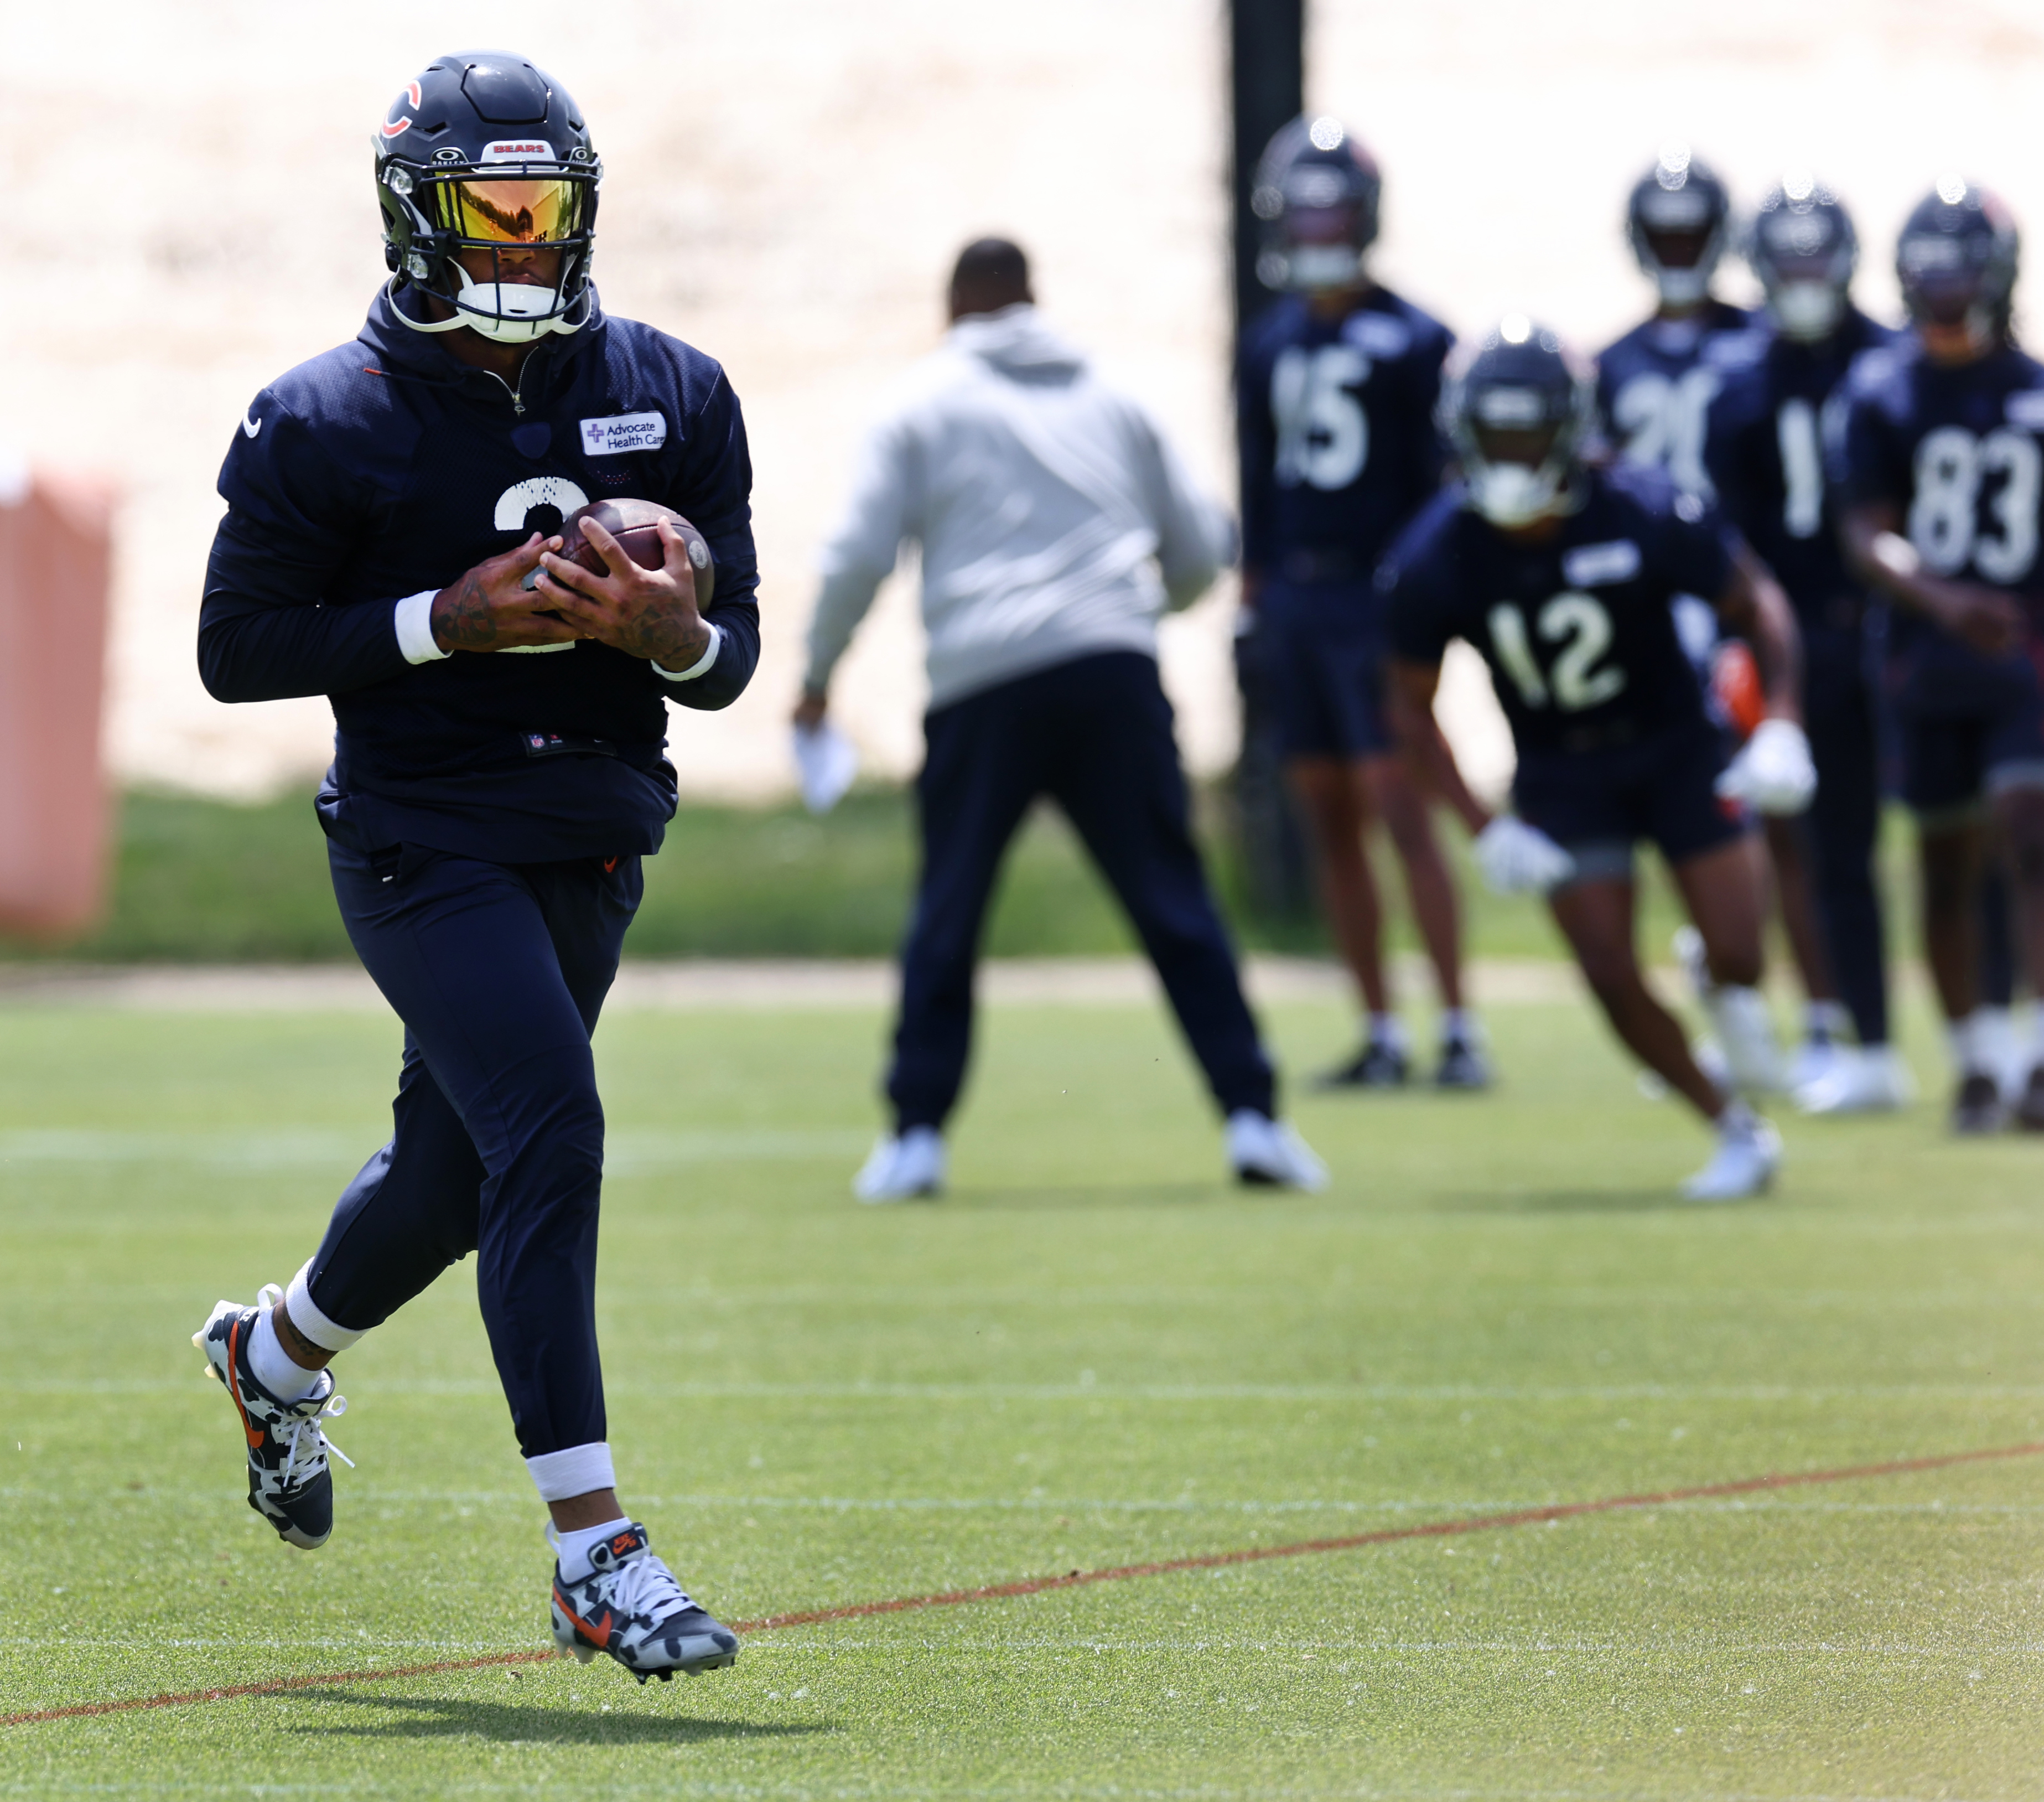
(2029, 1105)
(1376, 1066)
(289, 1482)
(630, 1607)
(1462, 1066)
(1977, 1108)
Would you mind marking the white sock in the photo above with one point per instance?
(1976, 1041)
(1387, 1029)
(573, 1549)
(1747, 1031)
(1823, 1020)
(1738, 1121)
(1459, 1025)
(275, 1369)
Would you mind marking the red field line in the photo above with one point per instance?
(1073, 1580)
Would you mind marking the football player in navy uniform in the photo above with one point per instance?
(1335, 396)
(1765, 457)
(389, 541)
(1655, 384)
(1936, 449)
(1561, 575)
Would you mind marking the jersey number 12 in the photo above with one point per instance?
(1581, 624)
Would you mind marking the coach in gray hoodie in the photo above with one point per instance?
(1055, 526)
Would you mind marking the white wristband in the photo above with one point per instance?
(702, 666)
(414, 620)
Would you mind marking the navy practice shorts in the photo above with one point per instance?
(1962, 741)
(1324, 655)
(1600, 803)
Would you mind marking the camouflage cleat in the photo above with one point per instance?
(289, 1484)
(630, 1607)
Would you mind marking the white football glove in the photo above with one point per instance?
(1773, 772)
(1518, 859)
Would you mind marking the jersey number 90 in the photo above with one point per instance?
(1579, 624)
(1952, 468)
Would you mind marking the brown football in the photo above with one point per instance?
(636, 525)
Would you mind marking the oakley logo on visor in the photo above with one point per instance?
(519, 150)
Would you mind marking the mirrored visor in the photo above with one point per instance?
(540, 211)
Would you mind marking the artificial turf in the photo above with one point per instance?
(1091, 1353)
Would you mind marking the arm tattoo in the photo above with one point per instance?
(668, 633)
(462, 618)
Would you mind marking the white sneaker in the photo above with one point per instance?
(1264, 1151)
(1861, 1080)
(1814, 1059)
(1749, 1153)
(903, 1167)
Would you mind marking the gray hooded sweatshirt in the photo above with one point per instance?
(1054, 522)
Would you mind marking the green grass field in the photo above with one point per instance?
(1092, 1354)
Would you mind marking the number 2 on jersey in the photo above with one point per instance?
(1323, 432)
(1581, 624)
(1952, 466)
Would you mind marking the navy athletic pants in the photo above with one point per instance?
(498, 972)
(1844, 821)
(1095, 735)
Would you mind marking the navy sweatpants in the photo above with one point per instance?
(1844, 821)
(1095, 735)
(498, 972)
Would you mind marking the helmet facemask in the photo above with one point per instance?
(507, 246)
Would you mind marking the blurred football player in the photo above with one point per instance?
(1336, 397)
(1937, 453)
(1561, 574)
(1765, 457)
(1655, 384)
(1055, 525)
(392, 508)
(1654, 390)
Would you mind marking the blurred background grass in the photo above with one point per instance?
(205, 880)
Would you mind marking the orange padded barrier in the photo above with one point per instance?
(55, 563)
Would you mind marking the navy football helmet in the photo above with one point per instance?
(1676, 221)
(1517, 409)
(484, 155)
(1803, 247)
(1956, 258)
(1316, 191)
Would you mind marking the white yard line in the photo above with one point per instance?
(703, 984)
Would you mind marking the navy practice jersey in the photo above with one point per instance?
(1765, 456)
(1577, 631)
(1654, 388)
(1339, 446)
(1955, 451)
(386, 468)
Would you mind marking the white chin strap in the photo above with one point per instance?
(1807, 311)
(509, 313)
(1311, 267)
(1683, 287)
(1513, 495)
